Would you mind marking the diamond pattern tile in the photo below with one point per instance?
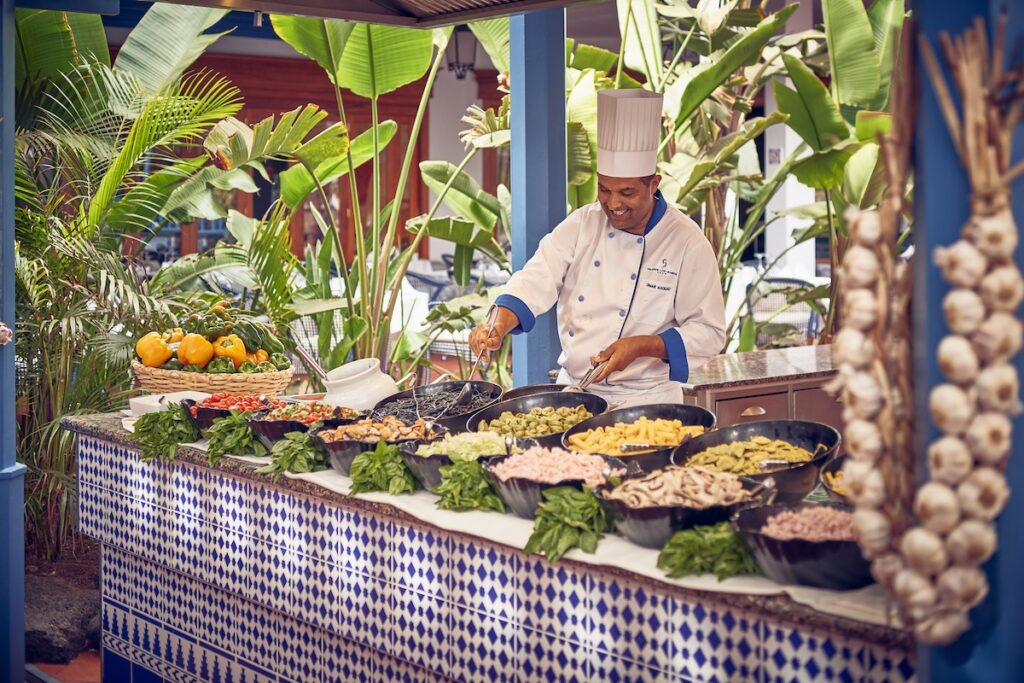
(791, 653)
(555, 600)
(420, 559)
(484, 648)
(711, 643)
(484, 577)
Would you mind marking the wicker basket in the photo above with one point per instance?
(158, 381)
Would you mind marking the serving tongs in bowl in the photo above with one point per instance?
(588, 378)
(465, 396)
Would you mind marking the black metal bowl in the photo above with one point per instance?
(793, 482)
(651, 527)
(453, 420)
(836, 565)
(833, 467)
(524, 495)
(529, 390)
(204, 417)
(650, 460)
(270, 432)
(427, 468)
(552, 399)
(340, 454)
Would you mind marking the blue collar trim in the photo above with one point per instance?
(660, 206)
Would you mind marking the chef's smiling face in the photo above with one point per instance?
(628, 202)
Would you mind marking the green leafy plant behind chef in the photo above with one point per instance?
(635, 280)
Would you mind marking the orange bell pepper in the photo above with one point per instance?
(194, 349)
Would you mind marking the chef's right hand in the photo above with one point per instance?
(482, 343)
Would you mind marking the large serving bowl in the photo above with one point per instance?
(648, 461)
(793, 482)
(427, 468)
(652, 526)
(552, 399)
(524, 495)
(270, 432)
(431, 403)
(530, 390)
(833, 467)
(341, 453)
(836, 565)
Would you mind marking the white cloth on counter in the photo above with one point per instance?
(609, 284)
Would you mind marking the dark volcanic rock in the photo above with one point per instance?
(61, 619)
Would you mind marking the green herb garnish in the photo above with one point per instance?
(569, 519)
(381, 469)
(294, 453)
(464, 486)
(160, 433)
(715, 549)
(231, 434)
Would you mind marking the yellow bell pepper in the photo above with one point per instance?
(262, 355)
(230, 346)
(152, 350)
(174, 335)
(195, 350)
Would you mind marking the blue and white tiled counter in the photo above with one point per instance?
(221, 575)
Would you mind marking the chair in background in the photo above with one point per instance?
(795, 325)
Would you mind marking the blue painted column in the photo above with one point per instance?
(992, 651)
(538, 166)
(12, 474)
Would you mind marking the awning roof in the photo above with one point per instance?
(416, 13)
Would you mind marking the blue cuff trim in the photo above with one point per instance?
(678, 367)
(660, 206)
(522, 311)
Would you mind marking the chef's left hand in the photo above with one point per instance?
(620, 354)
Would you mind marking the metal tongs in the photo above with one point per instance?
(464, 397)
(588, 378)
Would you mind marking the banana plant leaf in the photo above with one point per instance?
(325, 146)
(166, 41)
(886, 17)
(465, 197)
(853, 63)
(824, 170)
(493, 35)
(322, 40)
(297, 182)
(639, 29)
(48, 44)
(743, 52)
(710, 19)
(193, 272)
(864, 179)
(193, 198)
(487, 128)
(812, 112)
(380, 59)
(870, 124)
(579, 163)
(232, 143)
(582, 56)
(467, 237)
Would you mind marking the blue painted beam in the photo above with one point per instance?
(109, 7)
(539, 201)
(991, 651)
(12, 473)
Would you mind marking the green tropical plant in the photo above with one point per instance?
(94, 167)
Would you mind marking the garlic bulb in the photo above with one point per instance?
(868, 229)
(863, 440)
(864, 483)
(998, 337)
(924, 551)
(942, 628)
(971, 543)
(983, 493)
(988, 437)
(860, 309)
(851, 347)
(873, 531)
(949, 460)
(885, 569)
(964, 311)
(952, 408)
(998, 388)
(1003, 289)
(957, 359)
(914, 590)
(961, 587)
(936, 506)
(995, 235)
(860, 267)
(961, 263)
(863, 395)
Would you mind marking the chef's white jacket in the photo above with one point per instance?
(611, 284)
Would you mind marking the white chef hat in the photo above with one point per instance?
(628, 129)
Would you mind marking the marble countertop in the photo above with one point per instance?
(761, 367)
(108, 427)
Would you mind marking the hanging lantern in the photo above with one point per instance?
(461, 52)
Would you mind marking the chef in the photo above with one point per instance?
(635, 280)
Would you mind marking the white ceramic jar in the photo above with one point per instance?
(358, 385)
